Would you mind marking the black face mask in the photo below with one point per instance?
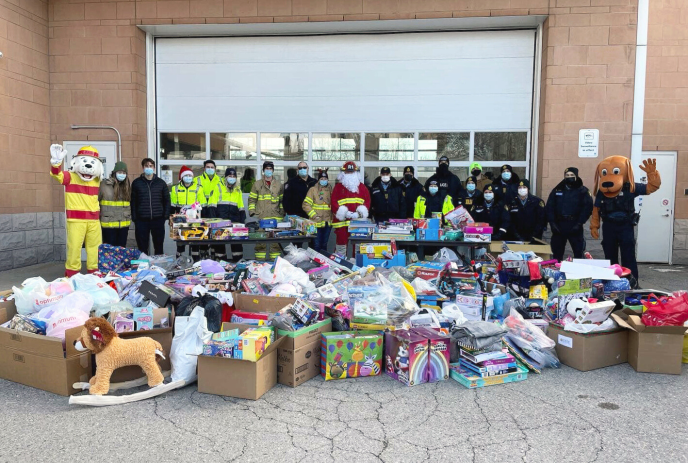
(443, 169)
(476, 172)
(570, 180)
(408, 177)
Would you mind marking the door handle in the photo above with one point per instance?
(668, 213)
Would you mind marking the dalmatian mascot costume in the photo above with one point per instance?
(82, 183)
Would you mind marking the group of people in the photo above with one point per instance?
(506, 203)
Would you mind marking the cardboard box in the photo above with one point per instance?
(477, 237)
(438, 353)
(587, 352)
(652, 349)
(428, 234)
(295, 367)
(541, 249)
(406, 357)
(40, 361)
(239, 378)
(473, 381)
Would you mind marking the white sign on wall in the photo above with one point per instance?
(588, 143)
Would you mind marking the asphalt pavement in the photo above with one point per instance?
(608, 415)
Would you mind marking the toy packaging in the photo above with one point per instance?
(472, 380)
(438, 353)
(350, 354)
(477, 237)
(406, 357)
(478, 227)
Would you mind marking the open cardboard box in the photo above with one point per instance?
(40, 361)
(299, 354)
(541, 249)
(587, 352)
(652, 349)
(162, 335)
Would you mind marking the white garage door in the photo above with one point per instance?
(388, 98)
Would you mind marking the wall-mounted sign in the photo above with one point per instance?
(588, 143)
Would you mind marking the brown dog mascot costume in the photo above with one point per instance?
(615, 192)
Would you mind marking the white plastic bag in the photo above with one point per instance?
(606, 325)
(72, 311)
(36, 294)
(190, 334)
(446, 255)
(284, 272)
(453, 312)
(295, 255)
(103, 295)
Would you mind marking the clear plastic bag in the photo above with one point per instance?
(103, 294)
(295, 255)
(377, 300)
(531, 339)
(454, 313)
(446, 255)
(284, 272)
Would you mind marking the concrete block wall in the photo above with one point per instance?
(680, 251)
(31, 238)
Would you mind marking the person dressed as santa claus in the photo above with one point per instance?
(350, 200)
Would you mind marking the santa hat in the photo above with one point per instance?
(183, 171)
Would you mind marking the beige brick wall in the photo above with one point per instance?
(24, 107)
(666, 89)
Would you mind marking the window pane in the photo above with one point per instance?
(432, 146)
(171, 173)
(182, 146)
(336, 146)
(284, 146)
(371, 173)
(500, 146)
(389, 147)
(239, 146)
(332, 172)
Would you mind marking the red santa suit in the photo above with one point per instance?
(347, 205)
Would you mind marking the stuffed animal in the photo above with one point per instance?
(615, 192)
(112, 352)
(82, 184)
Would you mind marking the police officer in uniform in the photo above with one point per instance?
(527, 214)
(411, 189)
(494, 212)
(387, 197)
(506, 185)
(472, 194)
(568, 207)
(448, 182)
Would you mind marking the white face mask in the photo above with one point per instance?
(386, 178)
(187, 179)
(523, 192)
(489, 196)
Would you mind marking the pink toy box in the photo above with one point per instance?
(478, 228)
(406, 357)
(438, 353)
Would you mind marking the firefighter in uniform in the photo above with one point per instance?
(527, 214)
(265, 202)
(318, 207)
(186, 193)
(230, 206)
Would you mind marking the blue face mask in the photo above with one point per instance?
(506, 176)
(303, 172)
(470, 187)
(210, 171)
(267, 173)
(231, 180)
(148, 171)
(121, 177)
(324, 182)
(433, 190)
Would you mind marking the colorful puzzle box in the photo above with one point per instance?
(350, 354)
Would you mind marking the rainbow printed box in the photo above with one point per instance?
(406, 357)
(350, 354)
(438, 353)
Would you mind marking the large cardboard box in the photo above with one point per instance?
(587, 352)
(652, 349)
(40, 361)
(296, 366)
(239, 378)
(299, 357)
(541, 249)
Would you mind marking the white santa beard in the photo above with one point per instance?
(351, 182)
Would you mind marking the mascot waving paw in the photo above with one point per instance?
(82, 182)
